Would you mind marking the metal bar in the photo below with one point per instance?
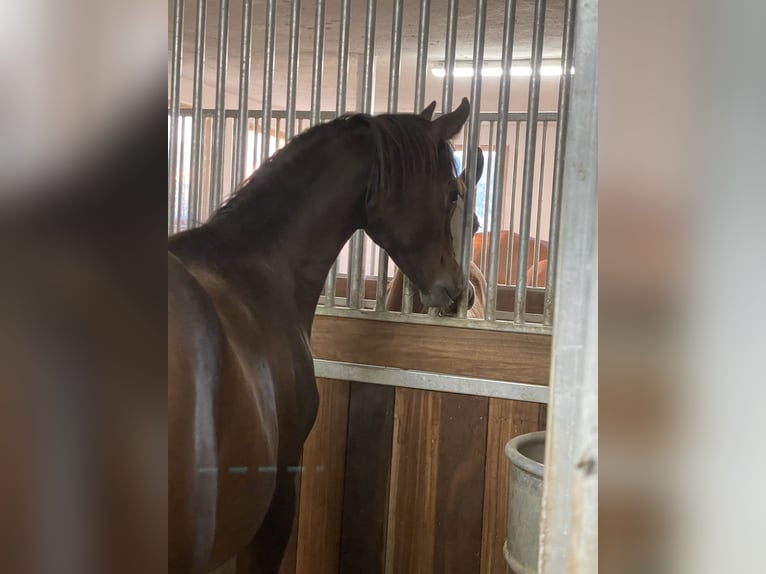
(530, 149)
(175, 104)
(268, 78)
(449, 56)
(569, 537)
(420, 82)
(487, 196)
(565, 90)
(411, 379)
(508, 268)
(356, 271)
(196, 150)
(340, 109)
(536, 262)
(424, 319)
(240, 141)
(181, 172)
(293, 56)
(278, 132)
(474, 129)
(316, 73)
(216, 152)
(393, 106)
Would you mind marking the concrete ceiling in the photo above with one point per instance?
(437, 36)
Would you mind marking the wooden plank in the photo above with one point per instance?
(412, 510)
(495, 355)
(460, 484)
(368, 464)
(507, 419)
(319, 518)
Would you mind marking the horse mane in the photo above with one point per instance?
(404, 155)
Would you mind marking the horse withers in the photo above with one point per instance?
(242, 290)
(476, 280)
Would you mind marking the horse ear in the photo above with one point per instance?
(448, 125)
(429, 111)
(479, 167)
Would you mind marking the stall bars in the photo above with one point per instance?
(200, 140)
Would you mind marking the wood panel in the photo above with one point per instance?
(460, 484)
(324, 455)
(507, 419)
(368, 464)
(412, 497)
(496, 355)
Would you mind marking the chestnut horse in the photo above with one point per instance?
(478, 284)
(242, 290)
(503, 258)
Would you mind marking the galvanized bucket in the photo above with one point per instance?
(527, 454)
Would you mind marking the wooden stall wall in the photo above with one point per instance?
(417, 484)
(404, 481)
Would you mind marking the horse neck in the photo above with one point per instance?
(298, 212)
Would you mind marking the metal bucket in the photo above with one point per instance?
(527, 454)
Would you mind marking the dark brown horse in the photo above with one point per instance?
(242, 290)
(477, 282)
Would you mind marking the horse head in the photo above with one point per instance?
(410, 205)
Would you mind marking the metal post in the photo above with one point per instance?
(356, 271)
(487, 197)
(529, 164)
(420, 84)
(340, 109)
(216, 152)
(393, 101)
(181, 172)
(175, 104)
(240, 141)
(490, 308)
(508, 268)
(268, 78)
(449, 56)
(569, 520)
(316, 73)
(565, 84)
(196, 148)
(293, 56)
(473, 142)
(536, 263)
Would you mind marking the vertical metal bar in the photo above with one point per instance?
(181, 173)
(530, 149)
(420, 83)
(293, 56)
(393, 105)
(565, 84)
(487, 197)
(356, 272)
(278, 128)
(268, 78)
(240, 141)
(536, 262)
(569, 538)
(474, 129)
(449, 56)
(175, 105)
(196, 151)
(316, 73)
(216, 152)
(509, 266)
(340, 109)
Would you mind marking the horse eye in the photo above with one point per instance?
(453, 195)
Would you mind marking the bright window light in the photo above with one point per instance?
(495, 71)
